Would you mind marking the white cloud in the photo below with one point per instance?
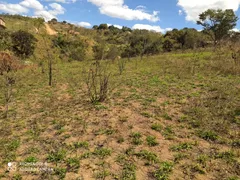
(56, 9)
(39, 10)
(193, 8)
(140, 7)
(49, 14)
(168, 29)
(44, 14)
(62, 1)
(151, 28)
(84, 24)
(13, 8)
(34, 4)
(115, 25)
(117, 9)
(107, 2)
(235, 30)
(180, 12)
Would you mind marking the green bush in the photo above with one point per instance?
(23, 44)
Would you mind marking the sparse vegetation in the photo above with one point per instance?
(147, 155)
(164, 170)
(151, 141)
(136, 138)
(109, 115)
(157, 127)
(98, 82)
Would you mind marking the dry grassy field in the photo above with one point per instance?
(172, 116)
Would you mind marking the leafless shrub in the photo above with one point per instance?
(97, 82)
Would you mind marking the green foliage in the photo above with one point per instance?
(168, 132)
(31, 159)
(17, 177)
(95, 27)
(197, 168)
(126, 29)
(208, 135)
(56, 156)
(100, 50)
(136, 138)
(73, 49)
(77, 50)
(5, 40)
(60, 42)
(103, 27)
(121, 65)
(83, 144)
(113, 52)
(233, 178)
(167, 45)
(226, 155)
(23, 44)
(38, 22)
(144, 42)
(13, 145)
(182, 146)
(73, 164)
(60, 172)
(102, 174)
(164, 170)
(217, 23)
(102, 152)
(129, 171)
(202, 159)
(147, 155)
(151, 141)
(54, 21)
(85, 155)
(157, 127)
(187, 38)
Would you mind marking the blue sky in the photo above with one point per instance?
(158, 15)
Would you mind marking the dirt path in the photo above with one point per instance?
(49, 30)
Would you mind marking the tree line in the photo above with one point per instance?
(110, 42)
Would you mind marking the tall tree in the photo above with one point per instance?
(217, 23)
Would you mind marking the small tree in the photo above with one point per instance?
(23, 44)
(50, 58)
(103, 27)
(95, 27)
(217, 23)
(54, 21)
(97, 82)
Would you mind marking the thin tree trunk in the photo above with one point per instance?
(50, 72)
(7, 96)
(49, 65)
